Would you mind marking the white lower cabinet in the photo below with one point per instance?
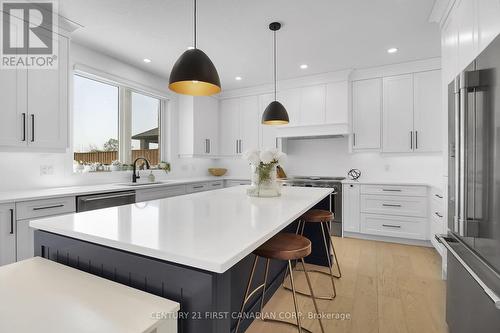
(399, 211)
(231, 183)
(350, 207)
(159, 193)
(29, 210)
(394, 226)
(7, 234)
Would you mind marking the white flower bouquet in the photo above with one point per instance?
(264, 171)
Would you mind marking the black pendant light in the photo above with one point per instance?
(194, 73)
(275, 113)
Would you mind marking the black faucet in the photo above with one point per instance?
(135, 175)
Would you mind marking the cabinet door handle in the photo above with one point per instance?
(391, 226)
(416, 139)
(354, 139)
(49, 207)
(32, 128)
(411, 139)
(391, 205)
(11, 221)
(24, 126)
(209, 146)
(438, 215)
(237, 146)
(390, 190)
(439, 196)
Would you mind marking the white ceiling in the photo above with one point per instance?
(327, 35)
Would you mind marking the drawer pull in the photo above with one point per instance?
(438, 215)
(391, 205)
(439, 196)
(48, 207)
(390, 190)
(11, 221)
(197, 187)
(216, 184)
(391, 226)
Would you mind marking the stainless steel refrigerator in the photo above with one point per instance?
(473, 239)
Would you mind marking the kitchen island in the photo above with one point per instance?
(194, 249)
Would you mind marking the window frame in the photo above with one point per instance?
(125, 111)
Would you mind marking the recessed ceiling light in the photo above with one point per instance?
(303, 66)
(392, 50)
(146, 60)
(238, 78)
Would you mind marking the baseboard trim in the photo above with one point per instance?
(405, 241)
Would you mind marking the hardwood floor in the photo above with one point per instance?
(385, 288)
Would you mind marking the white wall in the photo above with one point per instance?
(20, 170)
(330, 157)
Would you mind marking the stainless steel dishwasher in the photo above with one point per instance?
(104, 200)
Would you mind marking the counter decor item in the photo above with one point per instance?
(165, 166)
(264, 172)
(151, 177)
(217, 172)
(354, 174)
(115, 166)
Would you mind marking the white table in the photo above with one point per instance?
(39, 295)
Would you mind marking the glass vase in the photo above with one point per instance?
(264, 182)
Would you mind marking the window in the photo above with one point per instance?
(145, 127)
(113, 125)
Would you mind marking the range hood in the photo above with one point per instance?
(313, 131)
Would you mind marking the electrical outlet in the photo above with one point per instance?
(46, 170)
(387, 167)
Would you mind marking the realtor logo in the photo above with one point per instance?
(28, 35)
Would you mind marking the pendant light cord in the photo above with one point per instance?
(194, 23)
(275, 70)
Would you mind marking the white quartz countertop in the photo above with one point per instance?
(39, 295)
(54, 192)
(209, 230)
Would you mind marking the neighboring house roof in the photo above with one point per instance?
(150, 135)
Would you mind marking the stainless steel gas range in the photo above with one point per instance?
(333, 203)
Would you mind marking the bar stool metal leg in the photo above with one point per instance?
(312, 295)
(247, 296)
(334, 253)
(330, 274)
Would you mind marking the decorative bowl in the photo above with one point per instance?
(217, 171)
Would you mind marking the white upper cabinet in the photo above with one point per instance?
(290, 99)
(427, 110)
(229, 123)
(198, 126)
(469, 28)
(467, 38)
(398, 113)
(366, 113)
(312, 105)
(488, 22)
(249, 123)
(48, 102)
(337, 103)
(34, 103)
(13, 101)
(239, 125)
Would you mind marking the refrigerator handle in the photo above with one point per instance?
(488, 291)
(462, 212)
(457, 156)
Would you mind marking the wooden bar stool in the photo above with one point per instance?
(324, 217)
(283, 246)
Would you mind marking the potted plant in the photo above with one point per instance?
(165, 166)
(263, 164)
